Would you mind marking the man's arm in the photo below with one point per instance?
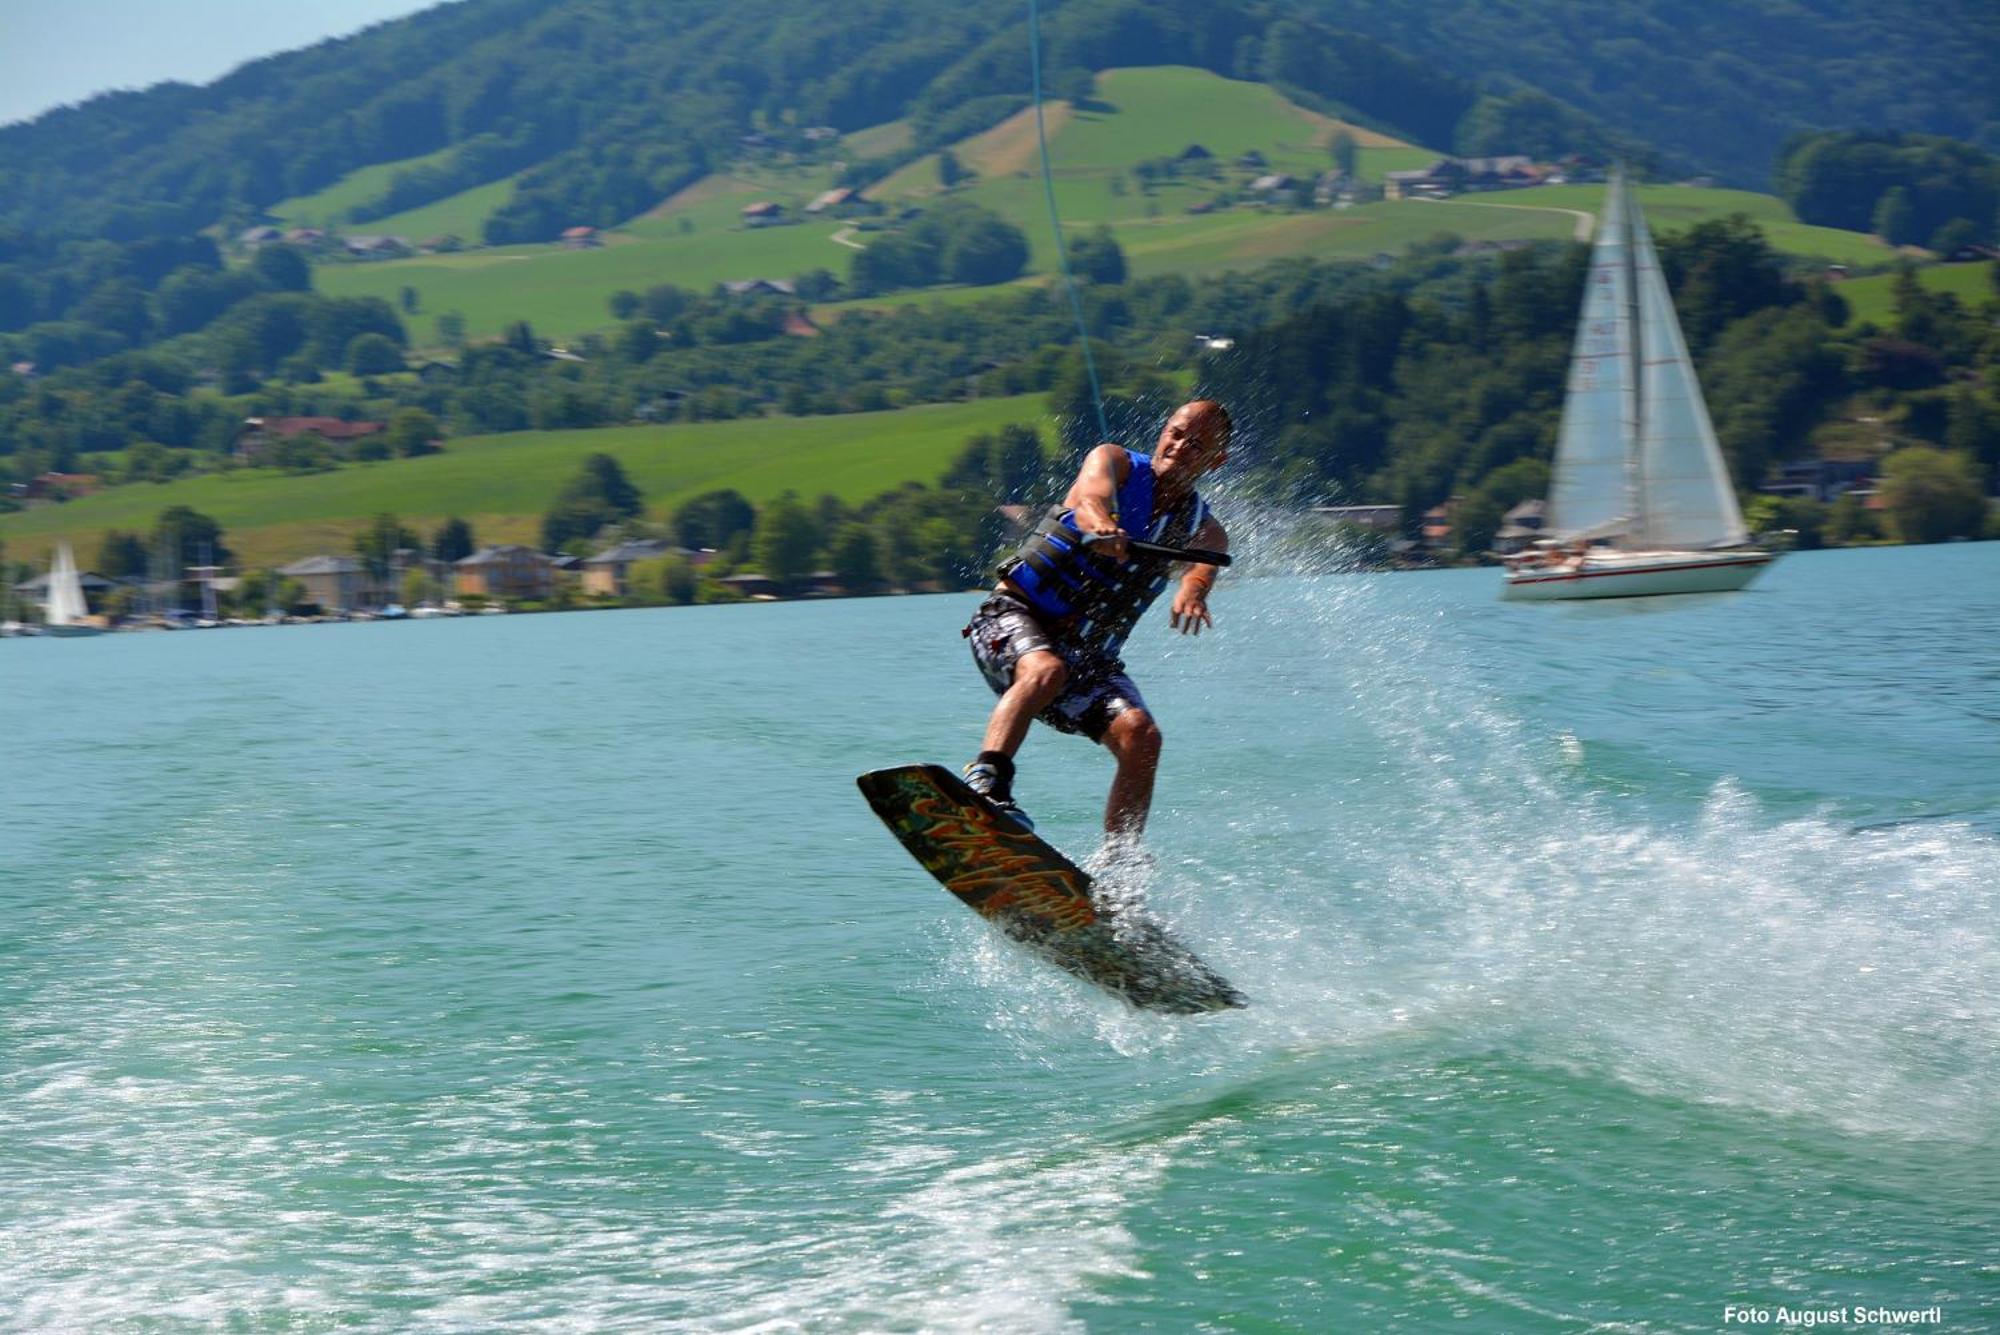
(1094, 493)
(1190, 611)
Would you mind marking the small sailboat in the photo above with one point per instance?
(1640, 501)
(67, 612)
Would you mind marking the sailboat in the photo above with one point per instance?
(67, 612)
(1640, 501)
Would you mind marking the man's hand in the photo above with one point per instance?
(1103, 536)
(1191, 608)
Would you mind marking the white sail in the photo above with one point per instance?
(1591, 491)
(1686, 500)
(66, 605)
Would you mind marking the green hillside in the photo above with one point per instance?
(1873, 298)
(503, 483)
(696, 238)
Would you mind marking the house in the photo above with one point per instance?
(61, 486)
(1408, 185)
(1520, 526)
(260, 433)
(821, 134)
(1498, 173)
(26, 370)
(1331, 185)
(764, 213)
(799, 325)
(333, 583)
(1276, 187)
(254, 237)
(753, 585)
(756, 287)
(1437, 524)
(376, 247)
(1253, 161)
(437, 372)
(1195, 153)
(506, 571)
(1819, 479)
(833, 199)
(1381, 518)
(312, 238)
(581, 238)
(610, 570)
(1971, 252)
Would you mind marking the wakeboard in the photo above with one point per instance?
(1037, 896)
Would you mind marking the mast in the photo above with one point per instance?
(1633, 422)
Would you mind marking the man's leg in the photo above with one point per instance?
(1134, 739)
(1039, 677)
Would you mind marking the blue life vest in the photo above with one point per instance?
(1092, 601)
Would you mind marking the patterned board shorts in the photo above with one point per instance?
(1098, 690)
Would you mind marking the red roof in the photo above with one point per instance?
(330, 427)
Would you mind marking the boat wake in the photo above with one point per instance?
(1378, 850)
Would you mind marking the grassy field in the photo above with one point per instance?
(563, 292)
(1873, 298)
(461, 215)
(330, 206)
(503, 483)
(1672, 208)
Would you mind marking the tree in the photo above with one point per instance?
(787, 541)
(950, 170)
(1931, 495)
(451, 329)
(412, 432)
(408, 298)
(637, 341)
(188, 537)
(282, 269)
(985, 250)
(378, 544)
(1896, 218)
(453, 540)
(599, 495)
(856, 564)
(678, 581)
(373, 354)
(1096, 257)
(520, 336)
(1345, 152)
(121, 555)
(1848, 522)
(1475, 521)
(710, 520)
(624, 304)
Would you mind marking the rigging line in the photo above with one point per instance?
(1055, 219)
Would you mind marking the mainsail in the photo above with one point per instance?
(66, 605)
(1637, 460)
(1600, 411)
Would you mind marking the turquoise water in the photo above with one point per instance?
(1611, 964)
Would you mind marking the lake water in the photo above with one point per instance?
(1611, 964)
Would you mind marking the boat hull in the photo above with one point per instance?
(1638, 575)
(71, 631)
